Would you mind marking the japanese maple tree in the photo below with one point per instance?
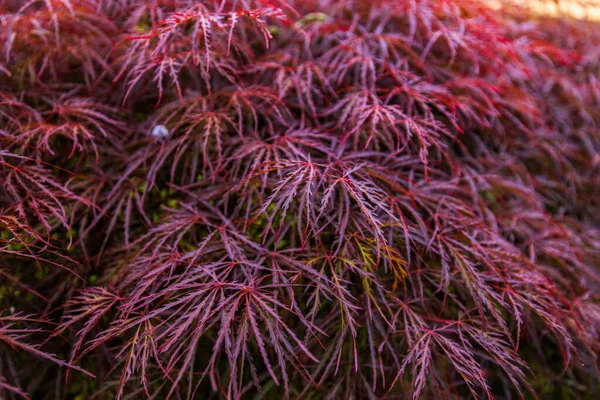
(307, 199)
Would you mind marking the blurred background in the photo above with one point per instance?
(580, 9)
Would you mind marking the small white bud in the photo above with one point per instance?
(11, 310)
(160, 131)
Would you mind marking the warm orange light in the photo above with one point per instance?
(581, 9)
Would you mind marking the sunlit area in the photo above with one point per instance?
(579, 9)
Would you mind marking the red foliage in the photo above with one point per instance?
(299, 199)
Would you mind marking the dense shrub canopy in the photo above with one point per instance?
(297, 199)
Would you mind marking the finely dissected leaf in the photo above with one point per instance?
(297, 199)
